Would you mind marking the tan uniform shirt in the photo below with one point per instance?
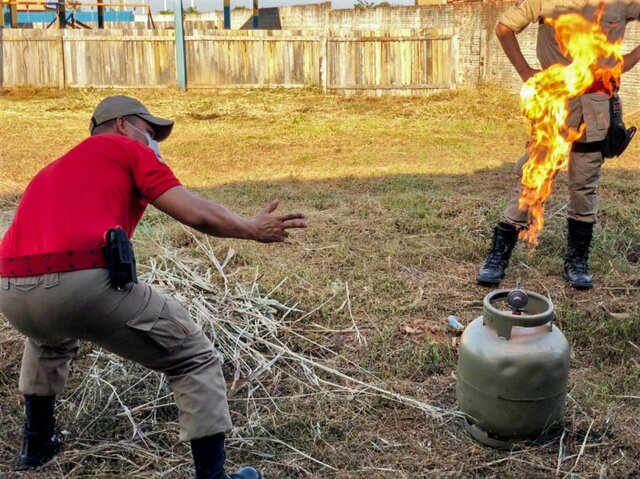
(590, 108)
(614, 21)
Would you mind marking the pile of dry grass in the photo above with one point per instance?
(120, 411)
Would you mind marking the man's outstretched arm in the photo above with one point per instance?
(216, 220)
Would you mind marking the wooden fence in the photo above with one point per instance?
(374, 61)
(393, 60)
(79, 58)
(253, 58)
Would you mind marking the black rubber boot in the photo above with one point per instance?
(209, 458)
(505, 237)
(576, 261)
(40, 443)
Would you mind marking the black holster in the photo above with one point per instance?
(618, 137)
(121, 260)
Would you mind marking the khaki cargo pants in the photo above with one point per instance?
(584, 168)
(138, 323)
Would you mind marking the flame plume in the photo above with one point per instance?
(545, 98)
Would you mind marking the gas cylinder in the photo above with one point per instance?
(513, 369)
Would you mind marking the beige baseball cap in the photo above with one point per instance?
(114, 107)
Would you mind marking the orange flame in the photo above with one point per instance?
(545, 99)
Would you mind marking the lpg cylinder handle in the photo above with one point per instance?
(529, 310)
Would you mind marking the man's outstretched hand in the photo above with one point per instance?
(270, 228)
(216, 220)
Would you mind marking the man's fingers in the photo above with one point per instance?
(291, 216)
(271, 207)
(296, 224)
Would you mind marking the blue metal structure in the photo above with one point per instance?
(255, 20)
(55, 11)
(6, 16)
(10, 17)
(84, 17)
(227, 14)
(256, 14)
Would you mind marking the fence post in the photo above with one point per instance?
(181, 57)
(13, 15)
(62, 14)
(256, 14)
(324, 45)
(227, 14)
(100, 15)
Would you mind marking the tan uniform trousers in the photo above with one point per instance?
(137, 323)
(584, 168)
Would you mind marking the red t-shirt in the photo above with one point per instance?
(105, 181)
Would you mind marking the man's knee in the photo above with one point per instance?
(584, 218)
(45, 369)
(195, 354)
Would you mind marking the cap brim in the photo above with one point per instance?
(161, 127)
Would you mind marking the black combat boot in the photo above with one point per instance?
(576, 261)
(505, 236)
(39, 443)
(209, 458)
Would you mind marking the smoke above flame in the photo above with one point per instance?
(544, 99)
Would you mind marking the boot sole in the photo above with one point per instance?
(578, 286)
(488, 283)
(29, 464)
(33, 465)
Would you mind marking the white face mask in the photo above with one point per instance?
(151, 143)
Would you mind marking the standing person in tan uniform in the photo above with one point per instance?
(59, 284)
(591, 108)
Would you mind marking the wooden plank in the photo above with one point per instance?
(454, 61)
(390, 87)
(61, 62)
(248, 86)
(323, 58)
(429, 61)
(26, 39)
(342, 59)
(444, 52)
(369, 63)
(422, 60)
(356, 64)
(384, 62)
(250, 39)
(92, 39)
(407, 70)
(437, 74)
(389, 39)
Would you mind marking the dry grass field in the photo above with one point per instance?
(401, 195)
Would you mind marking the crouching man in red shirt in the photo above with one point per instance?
(56, 288)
